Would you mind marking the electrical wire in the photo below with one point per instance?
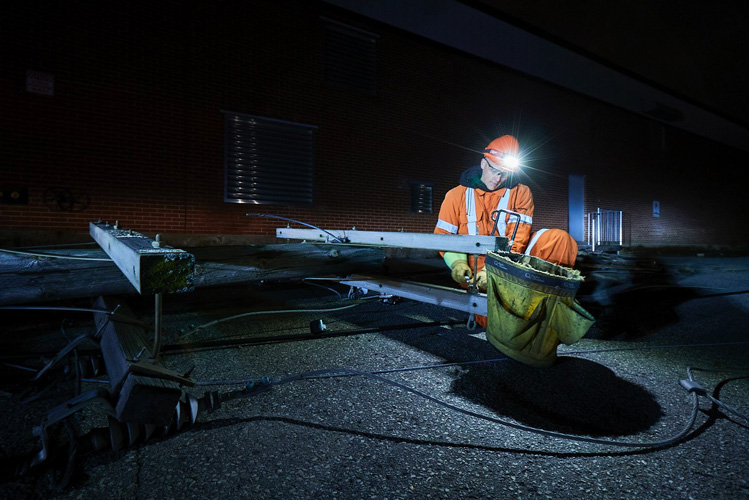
(48, 308)
(307, 281)
(335, 238)
(715, 400)
(727, 407)
(70, 257)
(59, 245)
(254, 313)
(223, 343)
(377, 372)
(329, 373)
(645, 347)
(377, 375)
(342, 372)
(19, 367)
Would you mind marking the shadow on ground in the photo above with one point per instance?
(575, 395)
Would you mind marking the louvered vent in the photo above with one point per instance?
(421, 197)
(268, 161)
(350, 58)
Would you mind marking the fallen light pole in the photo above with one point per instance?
(469, 301)
(150, 267)
(461, 243)
(452, 298)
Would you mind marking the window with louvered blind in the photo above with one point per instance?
(268, 161)
(350, 58)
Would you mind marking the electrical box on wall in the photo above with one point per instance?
(14, 196)
(39, 82)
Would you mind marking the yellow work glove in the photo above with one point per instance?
(460, 269)
(481, 280)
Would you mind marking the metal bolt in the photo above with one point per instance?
(137, 356)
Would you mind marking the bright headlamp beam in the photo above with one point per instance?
(511, 162)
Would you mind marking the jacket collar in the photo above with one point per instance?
(471, 178)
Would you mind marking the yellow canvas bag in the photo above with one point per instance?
(532, 308)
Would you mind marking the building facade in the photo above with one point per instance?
(183, 117)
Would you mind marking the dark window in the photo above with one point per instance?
(421, 197)
(350, 58)
(268, 161)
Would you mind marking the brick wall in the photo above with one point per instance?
(134, 129)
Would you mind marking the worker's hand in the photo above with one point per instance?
(481, 280)
(461, 269)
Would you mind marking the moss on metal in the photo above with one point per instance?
(167, 273)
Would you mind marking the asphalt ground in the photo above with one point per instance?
(395, 405)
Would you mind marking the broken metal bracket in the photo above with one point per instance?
(63, 411)
(61, 355)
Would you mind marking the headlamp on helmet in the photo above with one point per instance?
(503, 153)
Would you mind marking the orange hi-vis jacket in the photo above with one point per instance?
(467, 210)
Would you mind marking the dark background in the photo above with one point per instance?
(133, 130)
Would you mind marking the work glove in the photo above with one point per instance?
(460, 269)
(481, 280)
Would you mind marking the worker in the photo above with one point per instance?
(491, 186)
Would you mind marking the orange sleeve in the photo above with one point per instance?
(448, 221)
(522, 203)
(450, 211)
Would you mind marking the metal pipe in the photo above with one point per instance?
(621, 228)
(157, 325)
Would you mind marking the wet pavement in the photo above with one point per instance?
(397, 399)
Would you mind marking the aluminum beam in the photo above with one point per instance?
(452, 298)
(462, 243)
(148, 266)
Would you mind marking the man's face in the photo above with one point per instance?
(490, 176)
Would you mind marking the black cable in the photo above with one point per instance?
(377, 372)
(328, 373)
(645, 347)
(336, 238)
(51, 308)
(715, 400)
(306, 281)
(337, 372)
(176, 348)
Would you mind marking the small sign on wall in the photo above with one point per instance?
(656, 209)
(38, 82)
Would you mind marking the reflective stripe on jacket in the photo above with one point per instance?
(468, 211)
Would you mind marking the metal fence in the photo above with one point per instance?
(604, 228)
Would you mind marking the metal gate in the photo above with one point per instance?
(604, 228)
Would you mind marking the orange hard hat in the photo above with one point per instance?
(501, 147)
